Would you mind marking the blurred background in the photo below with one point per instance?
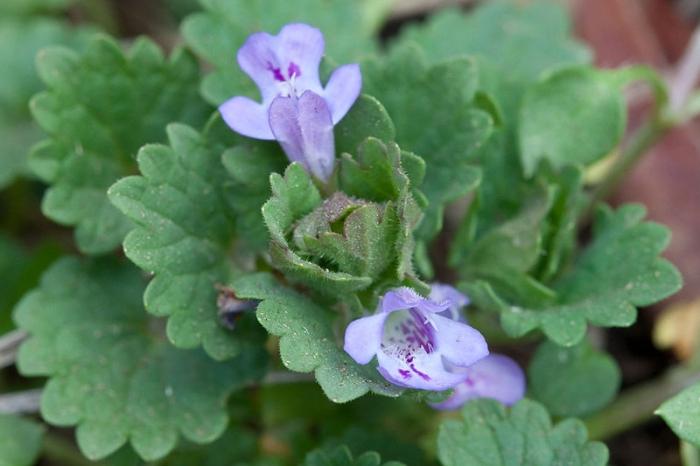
(620, 32)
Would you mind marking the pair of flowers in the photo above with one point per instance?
(421, 343)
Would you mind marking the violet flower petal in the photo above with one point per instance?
(304, 129)
(247, 117)
(301, 46)
(406, 298)
(440, 292)
(496, 376)
(459, 343)
(258, 59)
(342, 90)
(363, 337)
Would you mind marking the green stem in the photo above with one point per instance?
(689, 454)
(640, 143)
(637, 405)
(61, 451)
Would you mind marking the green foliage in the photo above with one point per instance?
(491, 435)
(26, 7)
(682, 414)
(573, 381)
(506, 254)
(441, 121)
(619, 271)
(341, 456)
(20, 441)
(184, 230)
(571, 116)
(20, 271)
(366, 118)
(20, 40)
(100, 107)
(218, 32)
(307, 340)
(344, 245)
(111, 371)
(513, 44)
(249, 165)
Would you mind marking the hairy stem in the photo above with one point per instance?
(637, 405)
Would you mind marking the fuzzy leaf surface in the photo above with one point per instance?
(491, 435)
(341, 456)
(100, 107)
(682, 414)
(618, 272)
(307, 340)
(184, 229)
(111, 372)
(573, 381)
(440, 121)
(20, 40)
(573, 116)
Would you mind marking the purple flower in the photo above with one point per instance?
(496, 376)
(440, 292)
(296, 109)
(415, 346)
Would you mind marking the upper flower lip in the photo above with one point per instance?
(285, 68)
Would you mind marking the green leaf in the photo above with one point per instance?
(573, 116)
(184, 231)
(99, 109)
(618, 272)
(20, 40)
(440, 120)
(506, 254)
(20, 441)
(111, 371)
(249, 165)
(573, 381)
(491, 435)
(682, 414)
(341, 456)
(366, 118)
(217, 33)
(342, 244)
(26, 7)
(294, 197)
(20, 270)
(307, 341)
(512, 42)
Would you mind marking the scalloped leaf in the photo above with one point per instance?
(682, 414)
(341, 456)
(220, 30)
(110, 370)
(573, 381)
(20, 40)
(184, 231)
(572, 116)
(618, 272)
(307, 341)
(513, 44)
(100, 108)
(441, 121)
(491, 435)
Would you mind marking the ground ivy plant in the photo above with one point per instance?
(293, 243)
